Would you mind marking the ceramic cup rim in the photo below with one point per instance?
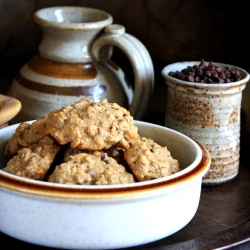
(183, 64)
(41, 18)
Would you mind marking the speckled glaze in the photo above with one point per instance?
(209, 113)
(74, 62)
(105, 217)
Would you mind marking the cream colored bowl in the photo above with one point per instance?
(105, 217)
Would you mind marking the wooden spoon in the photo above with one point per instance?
(9, 108)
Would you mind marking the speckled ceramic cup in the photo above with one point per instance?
(209, 113)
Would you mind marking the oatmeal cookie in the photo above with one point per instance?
(91, 169)
(26, 134)
(148, 160)
(92, 126)
(34, 161)
(114, 152)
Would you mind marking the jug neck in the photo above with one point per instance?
(67, 46)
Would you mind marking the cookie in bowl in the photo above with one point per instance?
(90, 129)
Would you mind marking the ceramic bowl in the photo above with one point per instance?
(105, 217)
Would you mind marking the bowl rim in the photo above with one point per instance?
(195, 171)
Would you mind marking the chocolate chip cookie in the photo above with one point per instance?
(92, 126)
(34, 161)
(148, 160)
(91, 169)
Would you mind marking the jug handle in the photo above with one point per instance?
(139, 58)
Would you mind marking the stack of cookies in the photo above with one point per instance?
(87, 143)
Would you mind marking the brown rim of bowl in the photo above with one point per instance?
(54, 190)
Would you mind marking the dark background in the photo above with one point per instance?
(171, 30)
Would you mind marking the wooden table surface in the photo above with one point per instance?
(222, 220)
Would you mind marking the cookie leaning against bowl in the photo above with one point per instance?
(25, 135)
(34, 161)
(92, 126)
(148, 160)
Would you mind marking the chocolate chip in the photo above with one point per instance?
(104, 157)
(190, 78)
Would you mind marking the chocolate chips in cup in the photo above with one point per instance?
(207, 73)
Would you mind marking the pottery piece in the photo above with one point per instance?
(9, 108)
(246, 107)
(209, 113)
(66, 216)
(74, 62)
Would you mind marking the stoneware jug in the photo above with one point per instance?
(74, 61)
